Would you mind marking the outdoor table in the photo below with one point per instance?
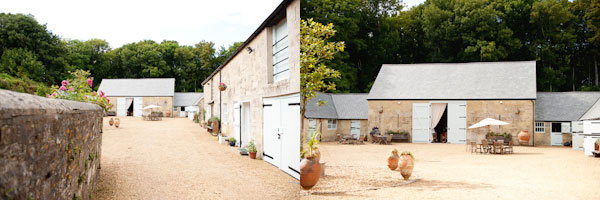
(382, 139)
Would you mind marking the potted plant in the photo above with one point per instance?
(117, 122)
(222, 86)
(393, 160)
(310, 169)
(232, 141)
(252, 150)
(215, 124)
(407, 163)
(111, 121)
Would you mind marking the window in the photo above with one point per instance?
(174, 109)
(540, 127)
(331, 124)
(312, 125)
(281, 67)
(224, 120)
(182, 108)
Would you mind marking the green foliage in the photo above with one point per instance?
(391, 132)
(408, 153)
(312, 141)
(232, 139)
(78, 88)
(252, 147)
(563, 36)
(24, 85)
(214, 118)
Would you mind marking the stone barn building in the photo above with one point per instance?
(340, 115)
(186, 104)
(559, 117)
(130, 96)
(262, 101)
(436, 102)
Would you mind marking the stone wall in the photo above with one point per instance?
(343, 128)
(49, 148)
(248, 77)
(397, 115)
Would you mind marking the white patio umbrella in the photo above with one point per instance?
(151, 106)
(488, 122)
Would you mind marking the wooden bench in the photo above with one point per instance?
(400, 137)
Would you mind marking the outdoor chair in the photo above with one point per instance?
(485, 148)
(375, 139)
(474, 147)
(498, 149)
(509, 148)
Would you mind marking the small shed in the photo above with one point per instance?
(559, 116)
(436, 102)
(130, 96)
(341, 114)
(186, 104)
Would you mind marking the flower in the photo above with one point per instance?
(102, 93)
(65, 83)
(63, 88)
(48, 95)
(90, 82)
(71, 89)
(222, 84)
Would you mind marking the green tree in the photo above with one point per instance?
(314, 49)
(21, 63)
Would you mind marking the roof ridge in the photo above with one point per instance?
(588, 110)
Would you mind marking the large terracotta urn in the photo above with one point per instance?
(524, 136)
(117, 122)
(393, 160)
(310, 171)
(406, 165)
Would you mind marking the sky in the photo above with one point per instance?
(125, 21)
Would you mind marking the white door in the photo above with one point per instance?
(556, 134)
(565, 127)
(271, 135)
(421, 121)
(207, 115)
(457, 122)
(121, 110)
(355, 128)
(281, 136)
(137, 106)
(182, 113)
(236, 122)
(312, 126)
(246, 121)
(577, 126)
(290, 135)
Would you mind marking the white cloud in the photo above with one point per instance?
(125, 21)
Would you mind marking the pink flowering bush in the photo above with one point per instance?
(79, 88)
(222, 86)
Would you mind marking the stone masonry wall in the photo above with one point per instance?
(397, 115)
(49, 148)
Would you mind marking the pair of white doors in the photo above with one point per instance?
(355, 128)
(457, 122)
(122, 106)
(281, 136)
(241, 123)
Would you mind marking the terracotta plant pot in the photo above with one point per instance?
(393, 160)
(310, 171)
(407, 163)
(111, 121)
(117, 123)
(524, 136)
(252, 155)
(168, 113)
(215, 125)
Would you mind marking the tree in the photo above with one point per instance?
(18, 31)
(21, 63)
(314, 49)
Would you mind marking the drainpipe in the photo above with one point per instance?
(533, 125)
(220, 107)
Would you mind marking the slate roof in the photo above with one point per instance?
(145, 87)
(187, 98)
(448, 81)
(338, 106)
(565, 106)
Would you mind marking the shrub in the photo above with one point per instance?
(79, 88)
(252, 147)
(232, 139)
(23, 85)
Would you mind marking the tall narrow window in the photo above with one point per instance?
(281, 67)
(312, 125)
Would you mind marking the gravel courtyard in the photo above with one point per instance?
(446, 171)
(176, 159)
